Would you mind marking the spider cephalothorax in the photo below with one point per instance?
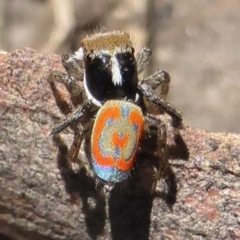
(110, 67)
(115, 99)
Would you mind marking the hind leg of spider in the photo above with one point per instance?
(162, 152)
(80, 133)
(75, 147)
(164, 170)
(158, 129)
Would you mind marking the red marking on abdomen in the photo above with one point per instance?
(114, 112)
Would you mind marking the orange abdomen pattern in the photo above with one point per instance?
(115, 139)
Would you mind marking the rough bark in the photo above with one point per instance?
(41, 198)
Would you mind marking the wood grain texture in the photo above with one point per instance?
(42, 198)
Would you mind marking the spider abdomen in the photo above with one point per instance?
(115, 139)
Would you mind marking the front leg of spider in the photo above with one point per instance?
(70, 79)
(149, 94)
(71, 66)
(158, 79)
(143, 59)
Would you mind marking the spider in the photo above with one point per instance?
(113, 111)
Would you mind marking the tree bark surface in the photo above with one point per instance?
(42, 198)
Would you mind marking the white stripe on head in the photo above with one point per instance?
(78, 55)
(137, 97)
(116, 73)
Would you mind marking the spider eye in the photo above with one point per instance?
(127, 67)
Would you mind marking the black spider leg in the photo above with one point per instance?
(163, 169)
(158, 129)
(149, 94)
(75, 117)
(70, 78)
(159, 78)
(75, 147)
(75, 73)
(70, 64)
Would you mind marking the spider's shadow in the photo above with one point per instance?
(130, 203)
(130, 206)
(79, 185)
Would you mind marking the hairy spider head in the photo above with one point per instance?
(110, 67)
